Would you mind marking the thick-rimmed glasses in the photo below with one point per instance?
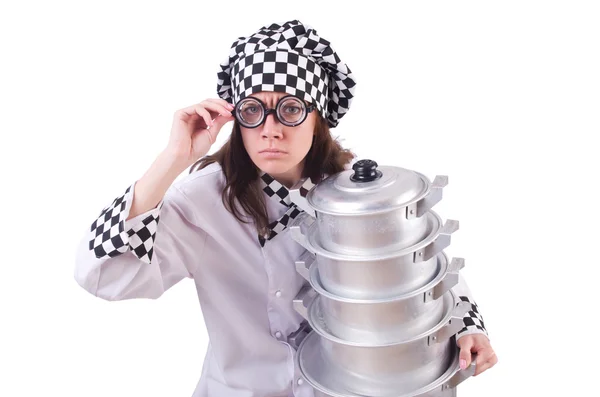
(290, 110)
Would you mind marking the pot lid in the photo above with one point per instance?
(368, 188)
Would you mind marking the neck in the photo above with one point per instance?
(290, 177)
(286, 180)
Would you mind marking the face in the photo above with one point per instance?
(275, 148)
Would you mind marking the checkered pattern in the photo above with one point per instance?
(110, 237)
(276, 191)
(281, 71)
(280, 225)
(306, 187)
(473, 319)
(142, 236)
(288, 58)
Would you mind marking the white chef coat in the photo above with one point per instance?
(245, 289)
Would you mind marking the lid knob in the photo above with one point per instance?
(365, 171)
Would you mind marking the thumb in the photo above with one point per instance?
(465, 352)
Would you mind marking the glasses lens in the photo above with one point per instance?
(291, 110)
(250, 112)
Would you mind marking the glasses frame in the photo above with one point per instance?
(275, 111)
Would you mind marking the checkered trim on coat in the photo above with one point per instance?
(110, 238)
(289, 58)
(473, 319)
(142, 236)
(276, 191)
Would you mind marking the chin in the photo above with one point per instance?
(274, 167)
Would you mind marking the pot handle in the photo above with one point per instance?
(433, 197)
(304, 263)
(461, 375)
(450, 280)
(296, 225)
(303, 300)
(298, 197)
(455, 324)
(439, 244)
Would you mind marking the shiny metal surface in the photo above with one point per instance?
(410, 364)
(384, 320)
(333, 380)
(380, 231)
(378, 300)
(374, 279)
(397, 188)
(384, 214)
(311, 240)
(378, 275)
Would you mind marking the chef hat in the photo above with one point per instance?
(288, 58)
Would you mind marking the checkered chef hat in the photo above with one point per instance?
(288, 58)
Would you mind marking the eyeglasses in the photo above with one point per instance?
(290, 110)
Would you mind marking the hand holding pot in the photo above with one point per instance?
(478, 344)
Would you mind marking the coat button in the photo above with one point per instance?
(278, 334)
(278, 293)
(300, 381)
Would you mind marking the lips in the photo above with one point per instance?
(272, 151)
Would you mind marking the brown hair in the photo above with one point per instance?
(325, 157)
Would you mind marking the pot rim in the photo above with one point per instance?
(450, 295)
(315, 383)
(315, 247)
(315, 281)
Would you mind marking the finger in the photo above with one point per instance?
(187, 114)
(485, 360)
(218, 123)
(206, 116)
(217, 107)
(193, 113)
(485, 366)
(484, 355)
(465, 352)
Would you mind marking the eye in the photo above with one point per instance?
(292, 109)
(251, 110)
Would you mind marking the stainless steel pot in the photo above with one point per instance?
(382, 320)
(329, 381)
(383, 369)
(376, 275)
(370, 208)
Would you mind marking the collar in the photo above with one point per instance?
(278, 192)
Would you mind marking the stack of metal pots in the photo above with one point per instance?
(378, 296)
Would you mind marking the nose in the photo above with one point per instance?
(272, 128)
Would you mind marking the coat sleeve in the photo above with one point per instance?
(142, 257)
(473, 319)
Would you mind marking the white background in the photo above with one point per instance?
(503, 97)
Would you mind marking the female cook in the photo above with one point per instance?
(225, 224)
